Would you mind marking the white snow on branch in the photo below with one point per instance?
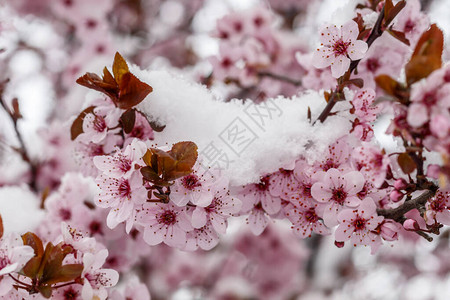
(256, 139)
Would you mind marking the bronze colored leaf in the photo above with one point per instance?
(392, 12)
(185, 155)
(45, 290)
(132, 91)
(406, 163)
(128, 119)
(427, 56)
(119, 67)
(77, 126)
(65, 273)
(32, 240)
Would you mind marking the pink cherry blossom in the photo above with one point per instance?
(363, 104)
(438, 209)
(412, 21)
(197, 187)
(13, 256)
(221, 208)
(204, 238)
(304, 216)
(358, 225)
(96, 279)
(338, 47)
(122, 163)
(260, 193)
(122, 196)
(372, 163)
(283, 182)
(164, 223)
(337, 190)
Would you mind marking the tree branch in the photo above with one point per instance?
(396, 214)
(280, 78)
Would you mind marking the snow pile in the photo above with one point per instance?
(246, 140)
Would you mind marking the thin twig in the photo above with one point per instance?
(396, 214)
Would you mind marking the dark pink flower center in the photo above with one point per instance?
(310, 216)
(4, 260)
(264, 183)
(429, 99)
(307, 190)
(438, 204)
(65, 214)
(168, 217)
(124, 188)
(96, 150)
(124, 164)
(329, 164)
(99, 124)
(70, 293)
(95, 227)
(359, 224)
(377, 160)
(226, 63)
(372, 64)
(340, 48)
(339, 195)
(286, 173)
(409, 26)
(190, 182)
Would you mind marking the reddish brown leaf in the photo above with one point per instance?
(119, 67)
(393, 12)
(406, 163)
(132, 91)
(45, 291)
(427, 56)
(185, 155)
(77, 126)
(1, 227)
(399, 36)
(64, 274)
(32, 240)
(128, 119)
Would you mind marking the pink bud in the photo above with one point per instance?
(396, 195)
(433, 171)
(339, 244)
(411, 224)
(400, 184)
(389, 230)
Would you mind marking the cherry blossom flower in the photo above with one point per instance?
(164, 223)
(13, 256)
(363, 104)
(257, 219)
(412, 21)
(358, 225)
(96, 279)
(304, 216)
(260, 193)
(337, 190)
(338, 157)
(134, 290)
(122, 196)
(283, 182)
(204, 238)
(122, 163)
(372, 163)
(438, 209)
(221, 208)
(338, 47)
(197, 188)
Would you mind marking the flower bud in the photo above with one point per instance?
(339, 244)
(411, 224)
(389, 230)
(400, 184)
(396, 195)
